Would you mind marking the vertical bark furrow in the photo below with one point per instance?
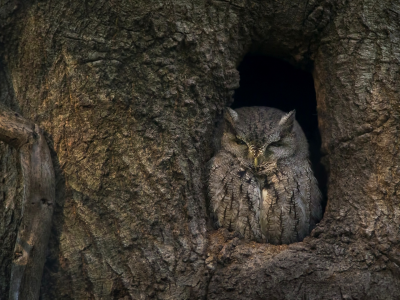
(37, 206)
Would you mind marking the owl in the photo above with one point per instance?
(260, 182)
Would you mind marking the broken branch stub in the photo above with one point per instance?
(37, 207)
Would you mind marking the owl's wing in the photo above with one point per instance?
(279, 212)
(235, 196)
(290, 204)
(315, 200)
(309, 197)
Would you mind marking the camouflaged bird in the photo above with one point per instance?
(260, 181)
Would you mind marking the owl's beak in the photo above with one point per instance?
(255, 161)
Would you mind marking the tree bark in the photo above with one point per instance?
(130, 93)
(37, 205)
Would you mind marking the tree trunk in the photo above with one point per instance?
(130, 93)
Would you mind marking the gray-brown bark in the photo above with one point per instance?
(130, 93)
(37, 205)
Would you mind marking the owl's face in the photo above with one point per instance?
(259, 136)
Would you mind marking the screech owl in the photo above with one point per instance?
(260, 181)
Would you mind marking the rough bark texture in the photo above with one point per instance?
(130, 93)
(34, 228)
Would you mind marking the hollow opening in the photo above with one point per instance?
(267, 81)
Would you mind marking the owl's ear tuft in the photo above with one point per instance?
(230, 117)
(287, 121)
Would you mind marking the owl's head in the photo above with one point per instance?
(259, 136)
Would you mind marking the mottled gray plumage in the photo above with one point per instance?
(260, 181)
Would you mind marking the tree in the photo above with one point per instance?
(128, 94)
